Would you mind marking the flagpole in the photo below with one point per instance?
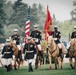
(27, 25)
(48, 24)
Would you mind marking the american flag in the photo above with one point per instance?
(27, 26)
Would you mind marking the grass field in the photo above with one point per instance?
(42, 71)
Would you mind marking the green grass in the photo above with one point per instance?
(42, 71)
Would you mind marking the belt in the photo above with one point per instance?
(29, 51)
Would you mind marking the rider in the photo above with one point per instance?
(73, 35)
(16, 38)
(29, 51)
(7, 54)
(56, 36)
(36, 34)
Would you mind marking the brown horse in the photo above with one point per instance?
(16, 51)
(72, 53)
(53, 52)
(39, 58)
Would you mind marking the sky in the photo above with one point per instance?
(61, 8)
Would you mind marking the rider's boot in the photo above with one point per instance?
(67, 55)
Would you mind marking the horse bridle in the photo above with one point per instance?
(51, 52)
(12, 46)
(72, 49)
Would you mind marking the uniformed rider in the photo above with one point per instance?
(56, 36)
(36, 35)
(16, 38)
(73, 35)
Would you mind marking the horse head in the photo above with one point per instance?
(73, 44)
(50, 41)
(14, 46)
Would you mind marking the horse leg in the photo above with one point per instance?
(61, 63)
(70, 59)
(18, 62)
(63, 50)
(50, 62)
(75, 63)
(40, 61)
(18, 65)
(11, 66)
(56, 62)
(15, 64)
(36, 62)
(1, 63)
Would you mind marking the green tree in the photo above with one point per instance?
(41, 16)
(17, 5)
(54, 20)
(33, 15)
(73, 12)
(19, 14)
(2, 16)
(7, 11)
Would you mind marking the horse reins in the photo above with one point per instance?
(72, 51)
(51, 52)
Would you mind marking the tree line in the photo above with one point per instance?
(14, 15)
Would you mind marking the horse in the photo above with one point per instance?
(1, 61)
(39, 57)
(72, 53)
(16, 53)
(53, 52)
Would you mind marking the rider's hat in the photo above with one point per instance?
(29, 38)
(55, 26)
(35, 26)
(7, 40)
(74, 27)
(15, 30)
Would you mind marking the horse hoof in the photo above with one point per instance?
(50, 68)
(61, 67)
(72, 67)
(75, 68)
(36, 67)
(55, 68)
(10, 68)
(15, 68)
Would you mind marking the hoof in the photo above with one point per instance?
(50, 68)
(56, 68)
(61, 67)
(36, 67)
(71, 66)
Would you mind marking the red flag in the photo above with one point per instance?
(27, 26)
(48, 24)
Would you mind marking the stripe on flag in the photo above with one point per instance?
(27, 26)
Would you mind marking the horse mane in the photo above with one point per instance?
(73, 43)
(14, 47)
(53, 44)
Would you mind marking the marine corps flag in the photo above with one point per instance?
(48, 24)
